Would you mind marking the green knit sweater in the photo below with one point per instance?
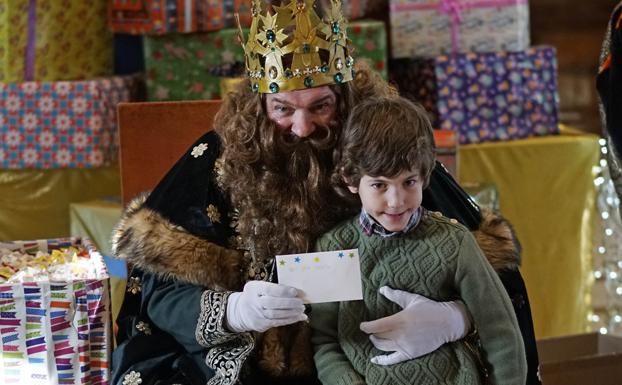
(439, 260)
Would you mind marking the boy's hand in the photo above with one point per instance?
(421, 327)
(263, 305)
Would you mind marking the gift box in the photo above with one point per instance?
(369, 40)
(54, 40)
(190, 66)
(63, 124)
(56, 332)
(158, 17)
(446, 143)
(486, 96)
(186, 66)
(428, 28)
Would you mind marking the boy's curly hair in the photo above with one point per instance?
(284, 198)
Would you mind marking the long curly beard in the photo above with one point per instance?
(284, 196)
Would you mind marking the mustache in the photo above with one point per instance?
(323, 138)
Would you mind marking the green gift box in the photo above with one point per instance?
(369, 40)
(182, 66)
(190, 66)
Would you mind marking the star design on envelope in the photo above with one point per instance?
(297, 259)
(282, 262)
(316, 259)
(340, 255)
(351, 255)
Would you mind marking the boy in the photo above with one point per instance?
(387, 157)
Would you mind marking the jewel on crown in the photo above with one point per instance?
(290, 47)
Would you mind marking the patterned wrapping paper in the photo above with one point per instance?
(67, 124)
(428, 28)
(159, 17)
(489, 96)
(446, 143)
(56, 332)
(188, 66)
(369, 39)
(54, 40)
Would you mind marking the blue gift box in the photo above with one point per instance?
(486, 96)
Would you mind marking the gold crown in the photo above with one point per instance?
(290, 47)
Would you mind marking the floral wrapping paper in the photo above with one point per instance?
(428, 28)
(54, 40)
(159, 17)
(56, 333)
(190, 66)
(67, 124)
(486, 96)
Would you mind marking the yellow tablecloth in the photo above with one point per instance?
(546, 190)
(34, 204)
(96, 219)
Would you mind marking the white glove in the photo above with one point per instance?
(420, 328)
(263, 305)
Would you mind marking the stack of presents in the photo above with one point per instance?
(58, 143)
(192, 47)
(467, 61)
(470, 64)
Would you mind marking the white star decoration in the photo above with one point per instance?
(197, 151)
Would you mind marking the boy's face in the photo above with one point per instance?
(391, 201)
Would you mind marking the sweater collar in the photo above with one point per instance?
(372, 226)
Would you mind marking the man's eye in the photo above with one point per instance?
(321, 107)
(377, 186)
(281, 109)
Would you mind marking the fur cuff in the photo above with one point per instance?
(498, 241)
(149, 241)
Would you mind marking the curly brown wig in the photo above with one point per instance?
(281, 185)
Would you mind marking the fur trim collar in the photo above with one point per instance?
(498, 241)
(154, 244)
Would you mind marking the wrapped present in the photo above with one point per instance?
(446, 142)
(54, 40)
(369, 39)
(489, 96)
(190, 66)
(56, 332)
(184, 67)
(67, 124)
(158, 17)
(428, 28)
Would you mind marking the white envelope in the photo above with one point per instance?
(323, 276)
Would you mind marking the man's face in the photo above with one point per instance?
(302, 111)
(390, 201)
